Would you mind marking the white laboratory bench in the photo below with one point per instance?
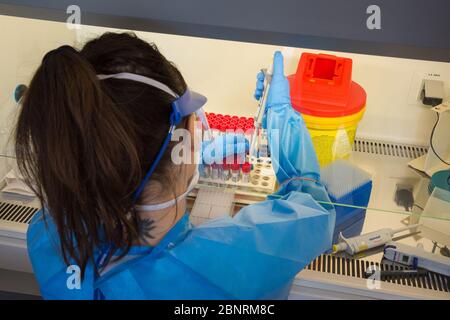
(388, 169)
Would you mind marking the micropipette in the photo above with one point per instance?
(254, 146)
(367, 241)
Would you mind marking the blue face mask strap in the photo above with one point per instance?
(175, 119)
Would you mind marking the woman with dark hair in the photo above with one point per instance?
(93, 140)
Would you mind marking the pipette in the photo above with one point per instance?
(254, 146)
(367, 241)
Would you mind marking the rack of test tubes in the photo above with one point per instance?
(253, 174)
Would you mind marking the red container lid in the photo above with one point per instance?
(223, 127)
(246, 167)
(225, 166)
(323, 87)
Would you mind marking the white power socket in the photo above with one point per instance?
(417, 83)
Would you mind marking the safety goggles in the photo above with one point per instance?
(182, 106)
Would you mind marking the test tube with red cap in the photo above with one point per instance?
(248, 131)
(214, 171)
(223, 128)
(225, 171)
(235, 172)
(214, 129)
(246, 168)
(206, 172)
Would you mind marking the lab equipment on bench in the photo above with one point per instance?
(239, 170)
(15, 185)
(367, 241)
(435, 218)
(416, 257)
(19, 92)
(438, 156)
(255, 176)
(440, 179)
(349, 185)
(210, 204)
(330, 102)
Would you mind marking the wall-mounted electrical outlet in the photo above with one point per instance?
(418, 82)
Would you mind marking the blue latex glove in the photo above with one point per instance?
(229, 144)
(259, 85)
(293, 156)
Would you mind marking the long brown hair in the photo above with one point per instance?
(84, 145)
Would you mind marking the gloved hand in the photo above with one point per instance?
(223, 146)
(279, 92)
(293, 156)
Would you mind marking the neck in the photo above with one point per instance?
(154, 225)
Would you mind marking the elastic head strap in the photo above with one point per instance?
(175, 116)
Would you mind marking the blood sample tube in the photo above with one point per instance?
(214, 171)
(225, 172)
(235, 172)
(222, 128)
(246, 168)
(249, 130)
(206, 172)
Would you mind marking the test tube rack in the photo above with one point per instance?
(262, 178)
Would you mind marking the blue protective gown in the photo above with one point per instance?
(254, 255)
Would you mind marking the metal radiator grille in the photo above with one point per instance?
(16, 213)
(355, 268)
(389, 149)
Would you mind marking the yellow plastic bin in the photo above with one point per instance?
(333, 138)
(330, 102)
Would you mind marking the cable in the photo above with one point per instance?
(431, 141)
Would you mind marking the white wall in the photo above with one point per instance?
(225, 71)
(24, 43)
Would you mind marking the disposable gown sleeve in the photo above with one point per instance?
(257, 253)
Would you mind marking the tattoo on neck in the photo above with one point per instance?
(146, 226)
